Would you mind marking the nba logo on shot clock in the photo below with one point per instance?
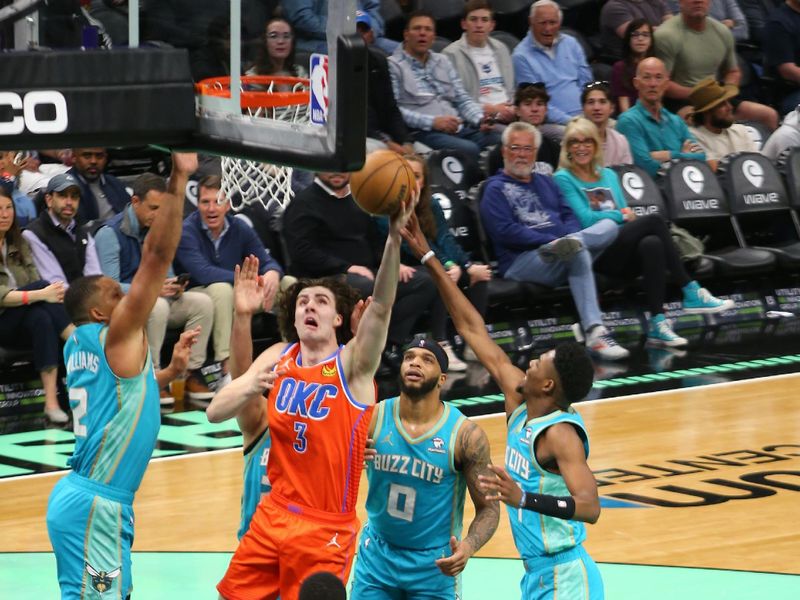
(318, 108)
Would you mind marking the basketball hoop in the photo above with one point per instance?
(279, 98)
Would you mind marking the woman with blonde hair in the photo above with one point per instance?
(643, 246)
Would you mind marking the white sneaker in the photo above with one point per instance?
(455, 364)
(56, 415)
(577, 332)
(602, 345)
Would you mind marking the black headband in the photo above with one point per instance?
(433, 346)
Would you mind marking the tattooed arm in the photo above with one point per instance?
(473, 456)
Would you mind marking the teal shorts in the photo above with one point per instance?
(386, 572)
(567, 575)
(91, 530)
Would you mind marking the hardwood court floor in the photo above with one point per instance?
(703, 477)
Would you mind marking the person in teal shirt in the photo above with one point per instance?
(643, 246)
(655, 134)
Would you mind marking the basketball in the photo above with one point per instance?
(385, 181)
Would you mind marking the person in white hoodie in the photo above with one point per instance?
(484, 64)
(785, 136)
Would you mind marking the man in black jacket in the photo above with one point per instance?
(327, 235)
(102, 195)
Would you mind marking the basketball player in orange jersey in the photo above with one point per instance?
(321, 395)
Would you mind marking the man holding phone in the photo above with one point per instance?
(119, 248)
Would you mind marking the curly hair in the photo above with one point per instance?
(346, 298)
(575, 371)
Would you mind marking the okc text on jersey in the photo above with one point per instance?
(304, 399)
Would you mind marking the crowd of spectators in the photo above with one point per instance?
(534, 114)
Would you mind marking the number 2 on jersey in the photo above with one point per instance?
(78, 402)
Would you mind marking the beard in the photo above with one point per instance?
(420, 389)
(720, 122)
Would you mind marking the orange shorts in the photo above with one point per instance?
(284, 545)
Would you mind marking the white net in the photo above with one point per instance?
(246, 181)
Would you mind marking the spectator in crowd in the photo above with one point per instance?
(784, 137)
(530, 104)
(597, 107)
(213, 57)
(553, 57)
(726, 12)
(483, 63)
(102, 195)
(11, 165)
(655, 134)
(637, 45)
(32, 174)
(693, 47)
(431, 97)
(757, 14)
(31, 311)
(714, 128)
(385, 125)
(328, 235)
(113, 14)
(537, 238)
(472, 277)
(276, 52)
(62, 251)
(644, 245)
(310, 20)
(119, 246)
(617, 15)
(782, 51)
(212, 244)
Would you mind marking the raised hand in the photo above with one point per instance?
(248, 287)
(358, 312)
(399, 219)
(182, 349)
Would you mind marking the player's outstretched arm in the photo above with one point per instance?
(363, 353)
(474, 455)
(248, 294)
(126, 328)
(467, 320)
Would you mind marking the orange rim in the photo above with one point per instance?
(220, 87)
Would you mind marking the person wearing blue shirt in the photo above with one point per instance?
(537, 238)
(211, 246)
(655, 134)
(644, 245)
(557, 59)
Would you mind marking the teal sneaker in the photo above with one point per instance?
(697, 299)
(660, 333)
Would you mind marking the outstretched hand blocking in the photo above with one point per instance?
(248, 287)
(399, 219)
(412, 234)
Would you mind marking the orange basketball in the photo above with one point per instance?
(385, 181)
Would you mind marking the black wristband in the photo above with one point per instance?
(562, 507)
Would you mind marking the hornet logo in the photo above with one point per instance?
(102, 580)
(438, 445)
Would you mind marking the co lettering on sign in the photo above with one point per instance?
(39, 112)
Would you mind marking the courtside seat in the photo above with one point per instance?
(788, 164)
(697, 202)
(509, 39)
(760, 206)
(9, 356)
(451, 169)
(644, 197)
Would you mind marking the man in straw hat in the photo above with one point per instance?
(713, 123)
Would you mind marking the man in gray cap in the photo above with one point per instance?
(62, 251)
(428, 455)
(713, 122)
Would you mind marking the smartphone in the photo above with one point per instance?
(183, 279)
(21, 157)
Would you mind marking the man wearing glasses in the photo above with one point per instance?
(537, 238)
(556, 58)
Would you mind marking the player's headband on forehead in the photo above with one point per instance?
(432, 346)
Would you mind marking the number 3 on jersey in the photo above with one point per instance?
(78, 402)
(300, 441)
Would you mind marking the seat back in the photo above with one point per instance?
(509, 39)
(789, 166)
(461, 219)
(752, 184)
(453, 170)
(758, 132)
(641, 192)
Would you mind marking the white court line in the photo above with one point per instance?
(475, 418)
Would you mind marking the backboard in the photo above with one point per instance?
(326, 127)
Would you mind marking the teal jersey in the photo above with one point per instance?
(416, 495)
(116, 419)
(536, 534)
(256, 480)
